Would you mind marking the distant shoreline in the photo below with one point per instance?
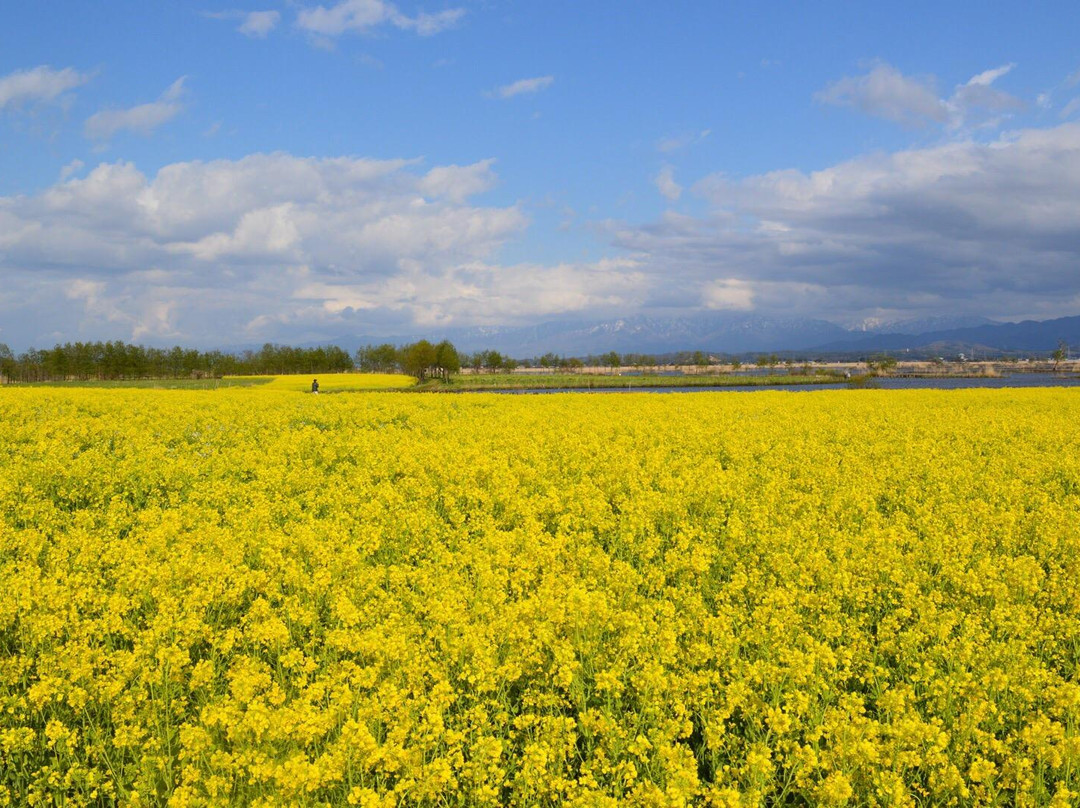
(498, 382)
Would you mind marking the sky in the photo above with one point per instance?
(226, 174)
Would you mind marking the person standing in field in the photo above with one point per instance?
(315, 386)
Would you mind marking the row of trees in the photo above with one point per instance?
(118, 360)
(422, 359)
(425, 360)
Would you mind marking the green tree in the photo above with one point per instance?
(1060, 354)
(418, 358)
(7, 363)
(382, 358)
(549, 360)
(492, 360)
(447, 360)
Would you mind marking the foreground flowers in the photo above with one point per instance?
(258, 597)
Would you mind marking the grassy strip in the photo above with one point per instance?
(586, 381)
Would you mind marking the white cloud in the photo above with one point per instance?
(363, 16)
(72, 168)
(989, 228)
(988, 77)
(143, 119)
(352, 15)
(280, 247)
(38, 85)
(457, 183)
(729, 294)
(484, 293)
(977, 97)
(202, 244)
(885, 92)
(666, 185)
(255, 24)
(523, 87)
(259, 23)
(426, 24)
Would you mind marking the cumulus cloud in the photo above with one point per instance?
(143, 119)
(286, 248)
(364, 16)
(487, 293)
(989, 228)
(522, 87)
(204, 248)
(457, 183)
(666, 185)
(914, 101)
(38, 85)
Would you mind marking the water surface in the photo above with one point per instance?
(880, 383)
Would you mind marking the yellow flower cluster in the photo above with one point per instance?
(254, 597)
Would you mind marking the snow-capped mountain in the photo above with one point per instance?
(920, 325)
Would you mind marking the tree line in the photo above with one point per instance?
(116, 360)
(420, 359)
(109, 361)
(426, 360)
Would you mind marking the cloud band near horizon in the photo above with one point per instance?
(274, 246)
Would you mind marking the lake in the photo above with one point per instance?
(880, 383)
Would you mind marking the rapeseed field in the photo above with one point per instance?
(332, 382)
(256, 597)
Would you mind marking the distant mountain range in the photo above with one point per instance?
(1029, 336)
(729, 333)
(740, 334)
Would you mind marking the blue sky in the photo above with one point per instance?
(223, 174)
